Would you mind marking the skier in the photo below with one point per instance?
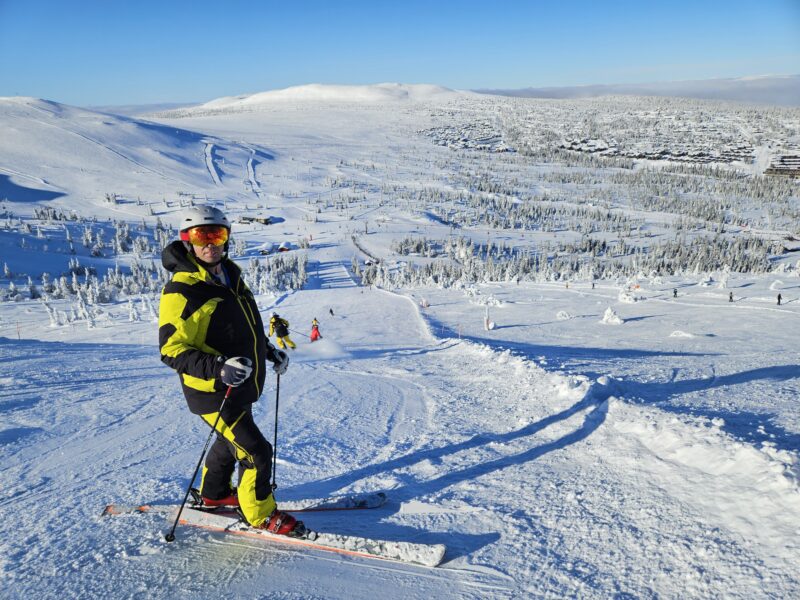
(280, 328)
(779, 299)
(674, 292)
(211, 333)
(330, 310)
(730, 296)
(315, 335)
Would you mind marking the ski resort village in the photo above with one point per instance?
(514, 347)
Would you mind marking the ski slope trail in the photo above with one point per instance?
(211, 163)
(540, 484)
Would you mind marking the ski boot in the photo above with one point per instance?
(282, 523)
(200, 501)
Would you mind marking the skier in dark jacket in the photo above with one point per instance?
(280, 329)
(211, 333)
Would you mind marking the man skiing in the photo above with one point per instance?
(315, 335)
(211, 333)
(280, 328)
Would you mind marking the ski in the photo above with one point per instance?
(427, 555)
(345, 502)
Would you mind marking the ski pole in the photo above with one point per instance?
(275, 441)
(170, 537)
(301, 333)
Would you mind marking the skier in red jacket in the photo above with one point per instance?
(315, 335)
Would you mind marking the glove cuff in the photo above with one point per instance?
(219, 362)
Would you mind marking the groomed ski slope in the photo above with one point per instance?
(556, 455)
(540, 484)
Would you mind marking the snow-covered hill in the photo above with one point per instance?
(76, 157)
(557, 453)
(377, 94)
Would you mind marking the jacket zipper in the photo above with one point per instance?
(248, 316)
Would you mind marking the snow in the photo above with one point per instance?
(385, 92)
(553, 454)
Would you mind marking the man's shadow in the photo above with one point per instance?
(593, 403)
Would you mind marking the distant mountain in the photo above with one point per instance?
(769, 89)
(382, 93)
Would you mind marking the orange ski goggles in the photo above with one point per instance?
(203, 235)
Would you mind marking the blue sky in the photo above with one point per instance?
(125, 52)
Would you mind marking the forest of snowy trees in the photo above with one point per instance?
(138, 283)
(468, 262)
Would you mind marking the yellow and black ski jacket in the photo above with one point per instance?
(279, 327)
(202, 323)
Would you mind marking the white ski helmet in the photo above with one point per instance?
(202, 215)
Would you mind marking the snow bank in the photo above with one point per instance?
(753, 491)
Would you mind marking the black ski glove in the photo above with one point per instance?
(281, 362)
(236, 370)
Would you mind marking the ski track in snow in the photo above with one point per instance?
(255, 186)
(508, 461)
(211, 163)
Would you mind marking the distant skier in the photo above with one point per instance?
(779, 299)
(315, 335)
(330, 310)
(210, 332)
(280, 329)
(730, 296)
(674, 292)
